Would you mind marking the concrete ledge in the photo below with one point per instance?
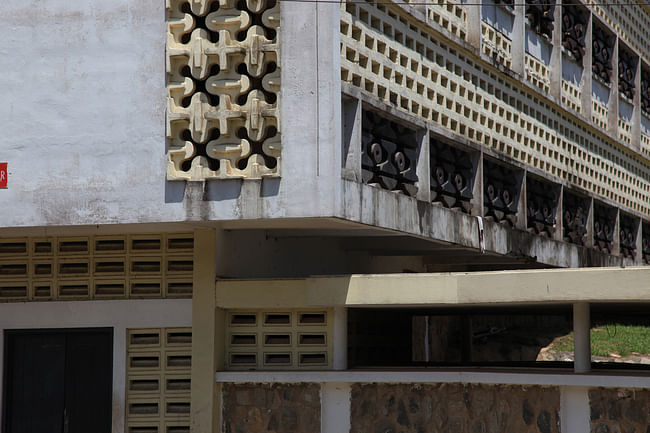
(548, 286)
(490, 377)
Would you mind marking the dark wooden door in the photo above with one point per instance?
(58, 381)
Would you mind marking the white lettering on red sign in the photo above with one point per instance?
(3, 174)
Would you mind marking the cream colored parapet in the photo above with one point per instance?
(404, 63)
(223, 89)
(475, 288)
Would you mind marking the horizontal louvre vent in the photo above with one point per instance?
(277, 340)
(145, 244)
(109, 289)
(312, 339)
(101, 267)
(179, 338)
(145, 362)
(158, 394)
(73, 246)
(313, 359)
(144, 385)
(143, 409)
(243, 359)
(109, 245)
(239, 339)
(180, 243)
(179, 361)
(142, 339)
(13, 247)
(176, 408)
(178, 385)
(13, 291)
(13, 269)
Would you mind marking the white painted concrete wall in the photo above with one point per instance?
(83, 118)
(120, 315)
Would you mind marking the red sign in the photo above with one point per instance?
(3, 174)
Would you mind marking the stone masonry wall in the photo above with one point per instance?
(271, 408)
(454, 408)
(619, 410)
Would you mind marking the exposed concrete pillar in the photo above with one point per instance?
(581, 340)
(423, 169)
(585, 83)
(559, 216)
(636, 116)
(518, 47)
(574, 409)
(477, 190)
(638, 260)
(335, 407)
(207, 336)
(340, 339)
(352, 139)
(522, 206)
(555, 67)
(612, 106)
(474, 22)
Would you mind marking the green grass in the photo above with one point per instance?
(605, 340)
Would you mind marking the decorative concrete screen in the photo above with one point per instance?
(223, 83)
(158, 380)
(96, 267)
(392, 57)
(278, 340)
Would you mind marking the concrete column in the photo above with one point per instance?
(556, 54)
(559, 216)
(522, 208)
(335, 407)
(351, 146)
(574, 409)
(477, 190)
(589, 242)
(636, 116)
(616, 235)
(474, 21)
(612, 106)
(581, 340)
(207, 337)
(340, 339)
(518, 47)
(587, 74)
(423, 168)
(638, 260)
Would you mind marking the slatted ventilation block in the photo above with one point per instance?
(158, 380)
(279, 340)
(96, 267)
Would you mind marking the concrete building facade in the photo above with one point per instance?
(295, 216)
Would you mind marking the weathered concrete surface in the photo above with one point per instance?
(84, 119)
(271, 408)
(619, 410)
(457, 408)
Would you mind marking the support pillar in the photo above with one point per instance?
(207, 336)
(581, 340)
(340, 339)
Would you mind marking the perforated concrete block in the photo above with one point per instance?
(407, 64)
(223, 92)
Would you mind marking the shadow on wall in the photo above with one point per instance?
(218, 190)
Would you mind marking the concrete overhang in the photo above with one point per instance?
(553, 286)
